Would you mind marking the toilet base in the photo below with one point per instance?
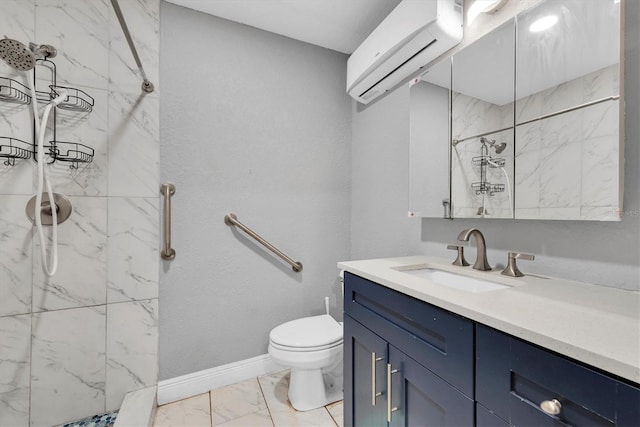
(311, 388)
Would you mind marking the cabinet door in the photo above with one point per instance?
(421, 398)
(365, 361)
(436, 338)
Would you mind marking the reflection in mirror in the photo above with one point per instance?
(567, 111)
(429, 194)
(482, 148)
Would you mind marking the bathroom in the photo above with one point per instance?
(268, 133)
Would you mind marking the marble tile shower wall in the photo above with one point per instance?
(73, 345)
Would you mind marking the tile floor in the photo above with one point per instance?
(252, 403)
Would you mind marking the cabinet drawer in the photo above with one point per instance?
(514, 377)
(435, 338)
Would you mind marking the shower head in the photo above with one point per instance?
(17, 55)
(492, 143)
(21, 57)
(499, 147)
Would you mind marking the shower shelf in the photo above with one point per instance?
(496, 162)
(487, 187)
(13, 148)
(13, 91)
(70, 152)
(77, 100)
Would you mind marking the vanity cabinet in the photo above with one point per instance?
(411, 364)
(439, 368)
(514, 379)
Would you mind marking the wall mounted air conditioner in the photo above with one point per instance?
(415, 33)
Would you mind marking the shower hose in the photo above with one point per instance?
(43, 180)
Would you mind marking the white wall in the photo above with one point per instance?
(602, 253)
(73, 345)
(259, 125)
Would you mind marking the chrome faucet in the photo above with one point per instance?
(481, 248)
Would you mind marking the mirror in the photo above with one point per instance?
(533, 120)
(482, 126)
(567, 111)
(429, 186)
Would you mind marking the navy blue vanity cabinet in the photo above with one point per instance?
(417, 355)
(486, 418)
(421, 398)
(514, 378)
(365, 376)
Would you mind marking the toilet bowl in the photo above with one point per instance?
(312, 348)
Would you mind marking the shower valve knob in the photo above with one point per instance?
(62, 204)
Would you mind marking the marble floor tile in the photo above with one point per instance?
(192, 412)
(274, 387)
(257, 419)
(256, 402)
(337, 412)
(236, 401)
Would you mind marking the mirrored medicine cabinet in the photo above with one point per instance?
(525, 122)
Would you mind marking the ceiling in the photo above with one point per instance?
(339, 25)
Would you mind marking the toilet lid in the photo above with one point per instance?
(307, 332)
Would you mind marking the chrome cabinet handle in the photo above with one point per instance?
(390, 408)
(167, 189)
(551, 407)
(374, 393)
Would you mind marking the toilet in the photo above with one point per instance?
(312, 348)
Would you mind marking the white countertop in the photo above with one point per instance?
(597, 325)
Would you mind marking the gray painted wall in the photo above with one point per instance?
(257, 124)
(602, 253)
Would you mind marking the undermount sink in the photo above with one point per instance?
(456, 281)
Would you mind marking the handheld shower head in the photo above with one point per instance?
(17, 55)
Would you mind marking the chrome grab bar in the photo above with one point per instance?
(167, 189)
(232, 220)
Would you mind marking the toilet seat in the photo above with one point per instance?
(307, 334)
(305, 349)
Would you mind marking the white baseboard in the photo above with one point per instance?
(189, 385)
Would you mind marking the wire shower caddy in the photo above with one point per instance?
(485, 161)
(77, 100)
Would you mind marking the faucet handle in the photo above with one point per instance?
(512, 267)
(460, 259)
